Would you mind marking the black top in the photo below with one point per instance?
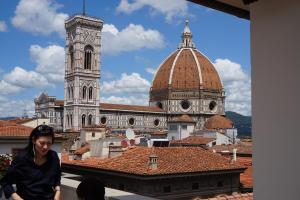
(33, 182)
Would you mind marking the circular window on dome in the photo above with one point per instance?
(103, 120)
(156, 122)
(159, 104)
(131, 121)
(185, 104)
(212, 106)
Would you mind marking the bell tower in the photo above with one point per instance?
(82, 71)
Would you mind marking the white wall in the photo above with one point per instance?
(180, 133)
(275, 57)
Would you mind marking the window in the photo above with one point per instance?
(195, 186)
(88, 57)
(183, 127)
(90, 120)
(71, 120)
(131, 121)
(71, 52)
(156, 122)
(93, 134)
(167, 189)
(83, 92)
(103, 120)
(212, 106)
(91, 93)
(83, 120)
(68, 120)
(69, 93)
(159, 104)
(173, 127)
(185, 104)
(220, 183)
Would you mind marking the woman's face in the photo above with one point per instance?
(42, 145)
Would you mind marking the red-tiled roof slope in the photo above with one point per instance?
(193, 140)
(109, 106)
(7, 123)
(171, 160)
(183, 118)
(20, 120)
(218, 122)
(15, 130)
(241, 149)
(59, 102)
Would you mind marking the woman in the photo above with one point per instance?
(36, 171)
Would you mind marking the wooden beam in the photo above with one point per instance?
(217, 5)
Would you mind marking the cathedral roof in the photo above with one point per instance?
(186, 68)
(183, 118)
(109, 106)
(218, 122)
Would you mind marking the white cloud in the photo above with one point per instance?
(50, 61)
(25, 79)
(13, 108)
(39, 17)
(7, 88)
(131, 38)
(237, 84)
(133, 83)
(169, 8)
(129, 100)
(3, 26)
(151, 70)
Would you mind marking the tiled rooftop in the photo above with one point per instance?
(171, 160)
(109, 106)
(183, 118)
(193, 140)
(218, 122)
(241, 148)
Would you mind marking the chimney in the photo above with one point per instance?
(234, 154)
(153, 161)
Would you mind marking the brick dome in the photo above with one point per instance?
(187, 68)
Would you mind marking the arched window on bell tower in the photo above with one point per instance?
(72, 59)
(90, 93)
(88, 51)
(84, 92)
(83, 121)
(90, 120)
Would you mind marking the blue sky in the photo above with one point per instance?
(137, 36)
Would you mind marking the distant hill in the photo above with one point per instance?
(7, 118)
(241, 122)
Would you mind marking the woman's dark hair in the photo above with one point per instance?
(91, 188)
(41, 130)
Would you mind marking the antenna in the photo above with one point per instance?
(83, 7)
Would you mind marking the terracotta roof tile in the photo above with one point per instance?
(109, 106)
(218, 122)
(59, 102)
(15, 131)
(183, 118)
(241, 148)
(193, 140)
(20, 120)
(171, 160)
